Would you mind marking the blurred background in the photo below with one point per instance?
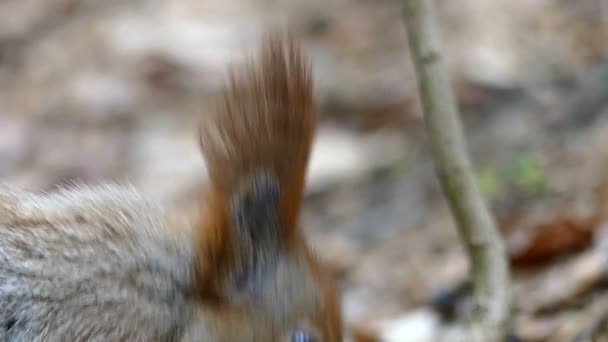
(97, 91)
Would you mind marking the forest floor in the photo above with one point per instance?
(95, 91)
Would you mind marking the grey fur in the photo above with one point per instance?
(91, 264)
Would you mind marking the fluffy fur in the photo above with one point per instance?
(91, 264)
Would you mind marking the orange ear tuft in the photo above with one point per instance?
(256, 143)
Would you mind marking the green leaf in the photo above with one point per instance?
(528, 172)
(489, 182)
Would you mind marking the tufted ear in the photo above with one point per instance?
(245, 242)
(258, 233)
(256, 143)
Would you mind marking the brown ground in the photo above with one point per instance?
(110, 90)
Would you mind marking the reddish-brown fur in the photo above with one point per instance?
(264, 124)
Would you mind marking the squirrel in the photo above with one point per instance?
(107, 263)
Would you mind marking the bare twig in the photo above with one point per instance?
(476, 225)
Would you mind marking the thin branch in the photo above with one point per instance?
(476, 225)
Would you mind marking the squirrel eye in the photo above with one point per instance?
(302, 336)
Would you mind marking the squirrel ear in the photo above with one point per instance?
(256, 143)
(246, 244)
(257, 231)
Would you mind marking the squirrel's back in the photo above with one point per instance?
(90, 263)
